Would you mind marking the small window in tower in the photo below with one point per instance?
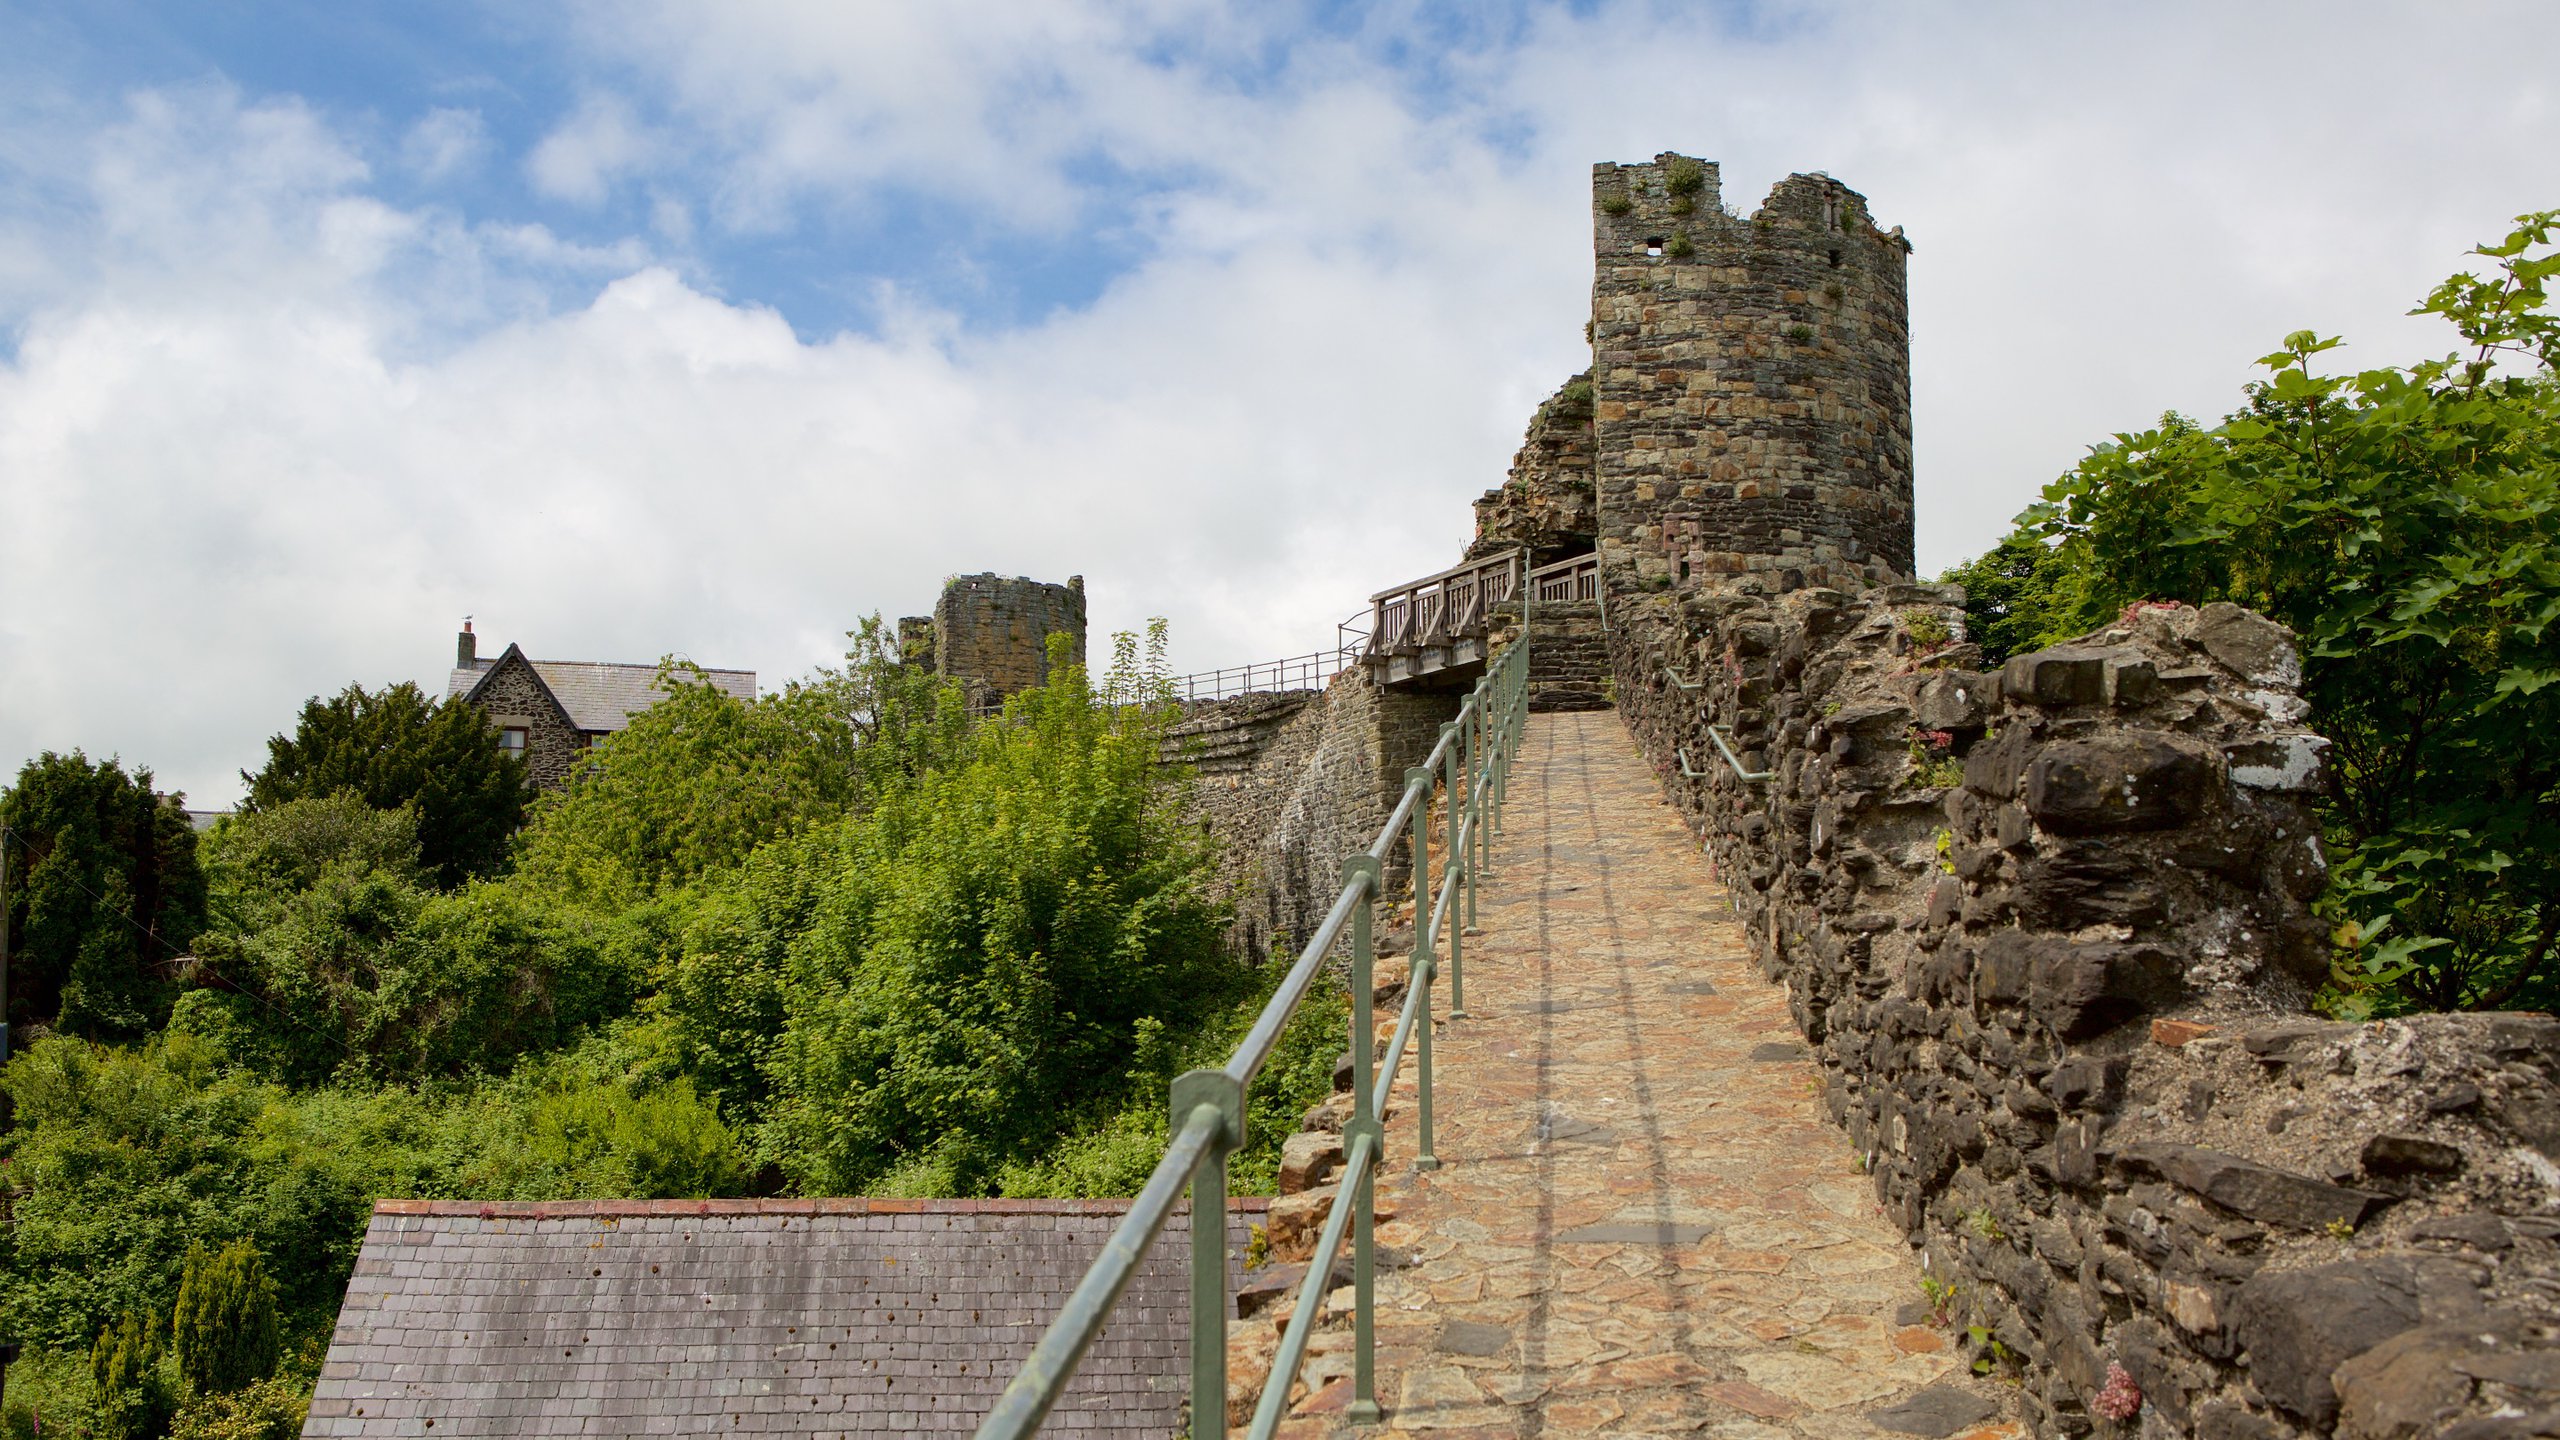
(1653, 247)
(511, 740)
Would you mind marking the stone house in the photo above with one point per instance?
(550, 712)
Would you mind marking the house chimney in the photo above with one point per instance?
(466, 648)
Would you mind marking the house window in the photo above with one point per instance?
(511, 740)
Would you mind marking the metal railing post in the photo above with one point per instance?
(1210, 1293)
(1362, 870)
(1418, 847)
(1449, 793)
(1425, 1157)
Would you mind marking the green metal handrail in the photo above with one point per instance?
(1468, 766)
(1717, 734)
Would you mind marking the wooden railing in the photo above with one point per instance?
(1574, 579)
(1441, 610)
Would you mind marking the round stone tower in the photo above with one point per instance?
(1752, 382)
(992, 633)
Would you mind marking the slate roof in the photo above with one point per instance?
(745, 1317)
(599, 695)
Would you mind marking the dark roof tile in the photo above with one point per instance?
(764, 1317)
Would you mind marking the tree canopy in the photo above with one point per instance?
(395, 748)
(842, 938)
(105, 893)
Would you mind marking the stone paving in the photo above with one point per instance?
(1645, 1224)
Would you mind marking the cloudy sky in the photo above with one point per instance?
(711, 327)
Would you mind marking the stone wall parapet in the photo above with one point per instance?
(2047, 928)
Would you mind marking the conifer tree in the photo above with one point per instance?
(225, 1332)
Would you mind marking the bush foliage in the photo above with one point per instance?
(398, 749)
(2405, 521)
(837, 939)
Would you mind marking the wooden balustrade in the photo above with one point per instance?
(1567, 580)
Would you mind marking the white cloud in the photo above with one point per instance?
(598, 144)
(445, 143)
(266, 434)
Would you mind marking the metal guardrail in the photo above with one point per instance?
(1471, 765)
(1298, 672)
(1717, 734)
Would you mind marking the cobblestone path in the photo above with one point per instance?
(1645, 1224)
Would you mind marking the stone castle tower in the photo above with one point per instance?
(992, 632)
(1751, 382)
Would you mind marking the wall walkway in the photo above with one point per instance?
(1646, 1224)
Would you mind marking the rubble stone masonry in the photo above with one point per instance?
(1292, 782)
(2047, 930)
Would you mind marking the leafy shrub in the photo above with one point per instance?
(701, 779)
(990, 941)
(269, 1409)
(2021, 594)
(2405, 522)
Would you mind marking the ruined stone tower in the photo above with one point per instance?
(992, 633)
(1752, 382)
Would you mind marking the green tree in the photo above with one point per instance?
(133, 1398)
(696, 783)
(399, 748)
(106, 892)
(995, 944)
(224, 1331)
(2405, 521)
(2020, 595)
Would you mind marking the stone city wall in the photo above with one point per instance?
(1291, 783)
(2046, 928)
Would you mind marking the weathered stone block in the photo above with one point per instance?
(1957, 700)
(2083, 990)
(1306, 1158)
(2089, 885)
(2061, 675)
(2300, 1325)
(2261, 1192)
(2410, 1155)
(2248, 644)
(2137, 781)
(2287, 763)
